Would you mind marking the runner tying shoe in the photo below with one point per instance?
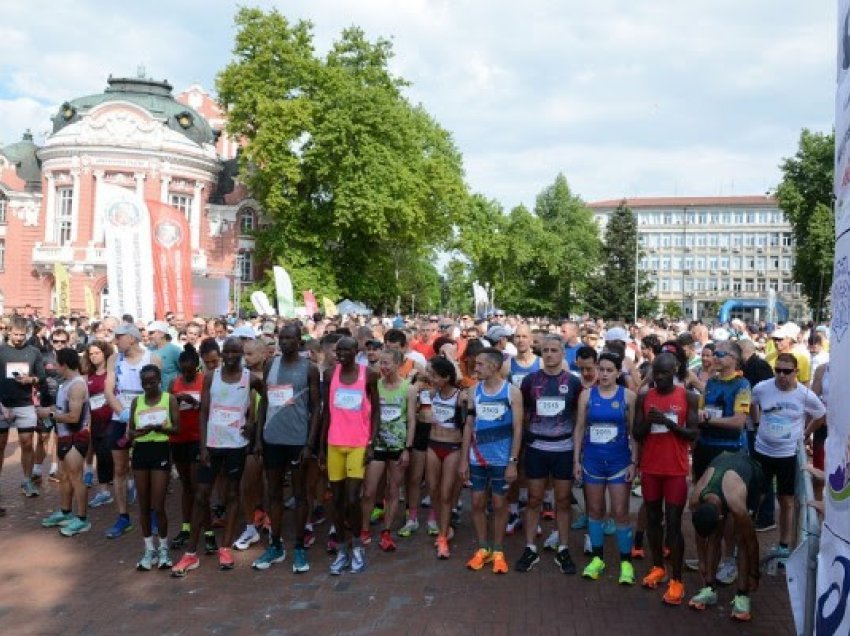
(491, 442)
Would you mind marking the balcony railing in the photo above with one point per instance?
(50, 254)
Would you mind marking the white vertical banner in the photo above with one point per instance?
(129, 258)
(832, 615)
(283, 289)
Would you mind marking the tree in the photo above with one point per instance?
(672, 310)
(457, 287)
(806, 197)
(611, 292)
(359, 184)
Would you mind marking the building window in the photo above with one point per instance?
(182, 202)
(2, 254)
(245, 266)
(786, 240)
(4, 202)
(64, 220)
(246, 221)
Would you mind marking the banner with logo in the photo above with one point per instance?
(283, 289)
(172, 260)
(310, 304)
(62, 283)
(329, 307)
(129, 259)
(91, 307)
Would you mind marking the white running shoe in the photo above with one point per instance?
(248, 537)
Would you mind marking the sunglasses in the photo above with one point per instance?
(721, 354)
(782, 371)
(59, 341)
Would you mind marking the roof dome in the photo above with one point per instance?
(155, 97)
(22, 155)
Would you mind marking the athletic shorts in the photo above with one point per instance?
(540, 464)
(281, 456)
(384, 455)
(673, 489)
(421, 436)
(346, 462)
(783, 468)
(604, 468)
(80, 441)
(185, 452)
(117, 433)
(229, 462)
(23, 418)
(480, 476)
(443, 449)
(151, 456)
(704, 454)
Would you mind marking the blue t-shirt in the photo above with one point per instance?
(570, 355)
(492, 432)
(168, 355)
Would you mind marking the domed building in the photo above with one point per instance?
(136, 135)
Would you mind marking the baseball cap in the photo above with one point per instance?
(244, 331)
(125, 329)
(788, 330)
(617, 333)
(157, 325)
(496, 332)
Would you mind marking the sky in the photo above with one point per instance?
(626, 99)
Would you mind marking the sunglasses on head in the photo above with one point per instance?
(784, 371)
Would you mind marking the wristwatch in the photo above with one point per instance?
(512, 460)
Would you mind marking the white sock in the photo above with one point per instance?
(149, 543)
(54, 467)
(523, 494)
(131, 483)
(531, 547)
(549, 497)
(89, 469)
(562, 547)
(514, 508)
(36, 470)
(308, 527)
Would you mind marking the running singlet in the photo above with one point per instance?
(519, 372)
(392, 433)
(550, 401)
(444, 411)
(606, 431)
(100, 411)
(724, 398)
(288, 404)
(228, 406)
(128, 382)
(747, 469)
(190, 418)
(148, 415)
(350, 411)
(665, 452)
(63, 404)
(493, 429)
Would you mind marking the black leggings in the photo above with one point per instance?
(103, 453)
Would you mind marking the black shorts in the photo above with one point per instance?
(229, 462)
(540, 464)
(151, 456)
(704, 454)
(783, 468)
(117, 432)
(281, 456)
(384, 455)
(421, 436)
(66, 443)
(185, 452)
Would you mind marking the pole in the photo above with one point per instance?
(684, 251)
(412, 304)
(637, 243)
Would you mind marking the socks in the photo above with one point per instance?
(514, 508)
(186, 527)
(66, 512)
(624, 540)
(563, 548)
(549, 497)
(149, 543)
(36, 470)
(597, 534)
(531, 547)
(277, 542)
(54, 468)
(125, 515)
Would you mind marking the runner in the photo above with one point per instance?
(550, 397)
(154, 416)
(94, 362)
(123, 385)
(226, 418)
(392, 447)
(70, 415)
(665, 423)
(350, 421)
(168, 353)
(185, 445)
(288, 430)
(605, 457)
(730, 486)
(491, 443)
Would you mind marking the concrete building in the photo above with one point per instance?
(701, 251)
(139, 136)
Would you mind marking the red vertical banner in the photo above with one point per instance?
(172, 260)
(310, 303)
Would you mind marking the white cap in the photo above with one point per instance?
(788, 330)
(157, 325)
(244, 331)
(617, 333)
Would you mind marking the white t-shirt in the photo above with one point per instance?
(783, 417)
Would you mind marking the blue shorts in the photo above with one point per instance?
(605, 468)
(541, 464)
(495, 475)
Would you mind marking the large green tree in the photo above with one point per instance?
(806, 197)
(359, 184)
(611, 293)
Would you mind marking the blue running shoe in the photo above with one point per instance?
(102, 498)
(358, 559)
(273, 554)
(341, 563)
(121, 526)
(299, 561)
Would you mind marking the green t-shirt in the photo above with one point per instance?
(392, 433)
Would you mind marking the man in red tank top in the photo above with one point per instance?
(666, 424)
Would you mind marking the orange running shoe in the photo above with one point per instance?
(655, 577)
(675, 592)
(225, 559)
(481, 557)
(386, 542)
(442, 548)
(500, 565)
(365, 537)
(638, 553)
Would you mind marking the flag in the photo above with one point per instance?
(90, 304)
(63, 289)
(310, 305)
(172, 260)
(330, 308)
(129, 261)
(261, 303)
(283, 289)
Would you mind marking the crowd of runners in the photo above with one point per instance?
(378, 424)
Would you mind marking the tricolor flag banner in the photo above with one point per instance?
(283, 289)
(310, 304)
(129, 261)
(329, 307)
(172, 260)
(63, 289)
(91, 308)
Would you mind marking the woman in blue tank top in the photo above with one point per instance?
(605, 456)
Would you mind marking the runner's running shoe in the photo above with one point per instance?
(75, 527)
(147, 561)
(638, 553)
(376, 516)
(514, 524)
(102, 498)
(273, 554)
(702, 599)
(309, 538)
(341, 563)
(675, 592)
(358, 560)
(741, 608)
(180, 540)
(727, 572)
(443, 548)
(188, 562)
(527, 560)
(386, 542)
(609, 527)
(365, 537)
(225, 559)
(88, 480)
(433, 528)
(481, 557)
(500, 565)
(565, 562)
(57, 518)
(594, 569)
(210, 545)
(299, 561)
(552, 541)
(627, 573)
(248, 537)
(408, 528)
(29, 489)
(548, 512)
(580, 523)
(163, 557)
(655, 577)
(121, 526)
(333, 543)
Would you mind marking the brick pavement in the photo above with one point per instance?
(50, 584)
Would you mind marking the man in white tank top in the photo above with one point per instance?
(122, 385)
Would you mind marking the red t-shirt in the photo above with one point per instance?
(189, 417)
(663, 452)
(425, 348)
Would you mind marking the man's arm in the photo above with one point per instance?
(642, 424)
(313, 385)
(109, 387)
(375, 400)
(691, 429)
(76, 400)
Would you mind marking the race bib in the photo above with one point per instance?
(126, 398)
(224, 427)
(185, 406)
(425, 397)
(517, 378)
(714, 412)
(657, 429)
(348, 400)
(602, 433)
(444, 415)
(17, 369)
(491, 411)
(776, 428)
(151, 417)
(550, 407)
(97, 401)
(390, 412)
(280, 395)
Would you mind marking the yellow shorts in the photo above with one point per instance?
(346, 462)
